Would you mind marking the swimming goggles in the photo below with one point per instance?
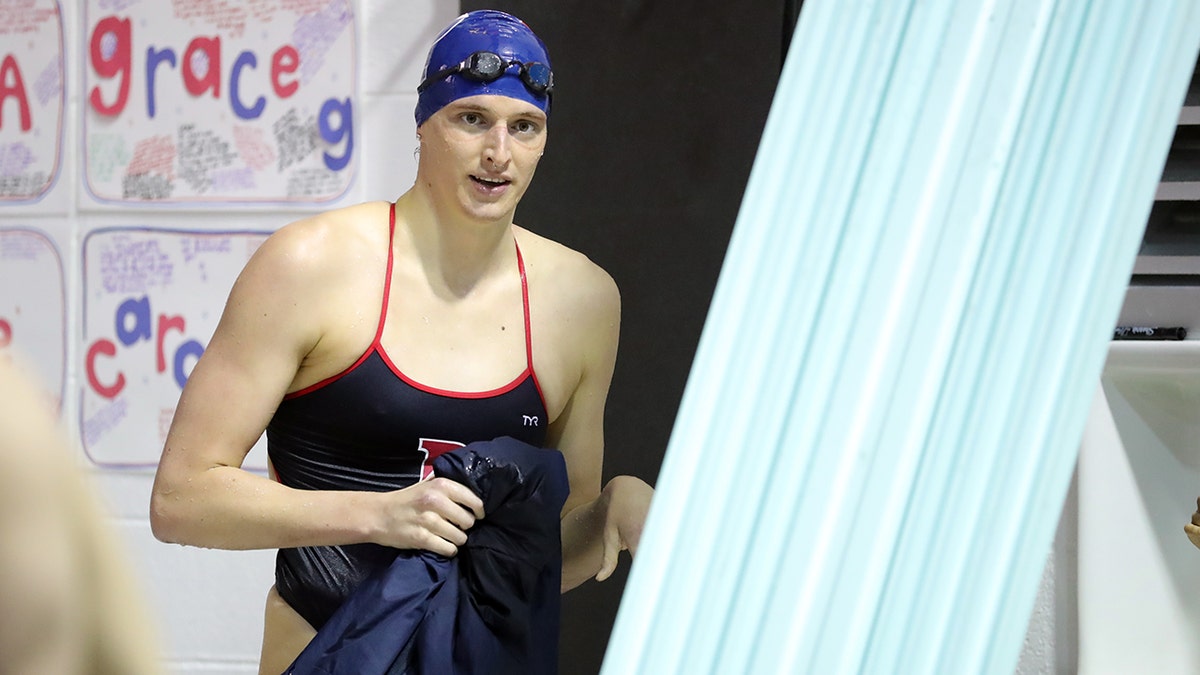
(489, 66)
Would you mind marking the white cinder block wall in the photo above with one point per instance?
(210, 602)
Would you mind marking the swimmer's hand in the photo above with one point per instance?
(433, 515)
(627, 502)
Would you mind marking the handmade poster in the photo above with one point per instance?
(218, 102)
(31, 99)
(151, 301)
(33, 307)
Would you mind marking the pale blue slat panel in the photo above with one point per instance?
(1007, 302)
(741, 446)
(968, 138)
(1132, 134)
(845, 415)
(940, 116)
(872, 62)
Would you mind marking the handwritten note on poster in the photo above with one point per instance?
(31, 98)
(219, 101)
(33, 307)
(152, 299)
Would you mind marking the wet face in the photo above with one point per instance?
(480, 153)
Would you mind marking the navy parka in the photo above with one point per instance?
(493, 608)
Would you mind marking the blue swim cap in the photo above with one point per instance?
(484, 30)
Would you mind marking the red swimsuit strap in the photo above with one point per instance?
(525, 308)
(387, 277)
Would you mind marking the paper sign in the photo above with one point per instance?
(31, 98)
(152, 299)
(218, 102)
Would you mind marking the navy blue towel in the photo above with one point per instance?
(493, 608)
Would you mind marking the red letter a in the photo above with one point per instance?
(9, 70)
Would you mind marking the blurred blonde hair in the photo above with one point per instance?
(69, 600)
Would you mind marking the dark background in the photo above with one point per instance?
(656, 117)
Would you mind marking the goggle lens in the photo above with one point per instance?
(537, 76)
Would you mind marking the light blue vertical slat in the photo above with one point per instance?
(870, 456)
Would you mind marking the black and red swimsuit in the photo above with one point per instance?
(372, 428)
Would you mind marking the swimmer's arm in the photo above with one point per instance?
(597, 523)
(202, 496)
(594, 533)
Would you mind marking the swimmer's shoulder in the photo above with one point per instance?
(567, 278)
(333, 237)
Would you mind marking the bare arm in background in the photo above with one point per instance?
(597, 523)
(1193, 528)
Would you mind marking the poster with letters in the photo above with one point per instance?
(31, 99)
(218, 102)
(151, 300)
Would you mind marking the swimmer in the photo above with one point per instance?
(369, 339)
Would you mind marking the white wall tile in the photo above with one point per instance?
(210, 602)
(389, 161)
(397, 35)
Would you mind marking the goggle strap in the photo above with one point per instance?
(469, 68)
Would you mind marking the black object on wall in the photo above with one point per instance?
(656, 118)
